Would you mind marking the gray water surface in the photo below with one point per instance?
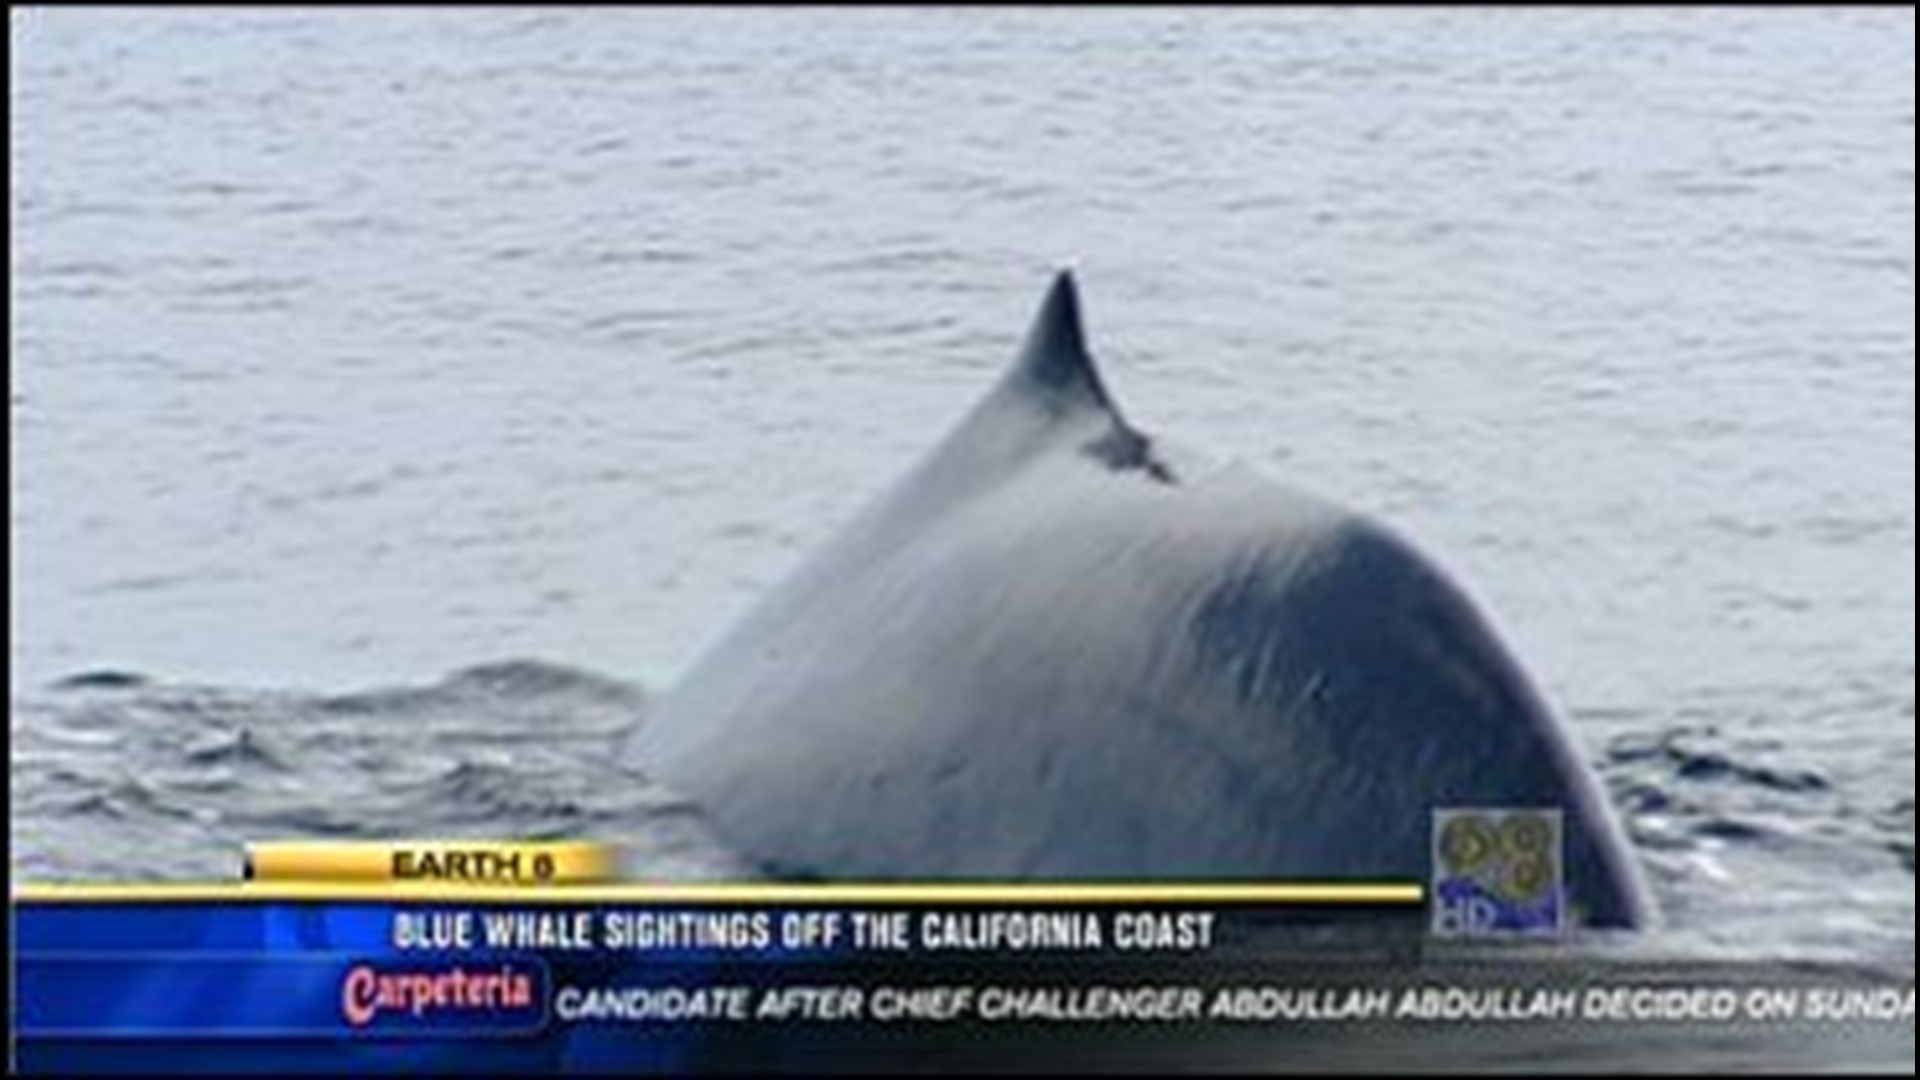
(400, 397)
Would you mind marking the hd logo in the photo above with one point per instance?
(1499, 874)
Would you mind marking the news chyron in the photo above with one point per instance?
(543, 956)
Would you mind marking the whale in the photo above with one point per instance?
(1059, 648)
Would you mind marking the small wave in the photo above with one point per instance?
(1673, 749)
(1658, 834)
(125, 801)
(506, 680)
(96, 804)
(533, 678)
(497, 791)
(240, 748)
(104, 679)
(1639, 798)
(1731, 830)
(215, 783)
(322, 822)
(1712, 766)
(1899, 821)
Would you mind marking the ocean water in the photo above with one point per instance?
(399, 399)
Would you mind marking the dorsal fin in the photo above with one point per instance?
(1055, 361)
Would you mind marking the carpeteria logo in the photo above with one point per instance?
(368, 993)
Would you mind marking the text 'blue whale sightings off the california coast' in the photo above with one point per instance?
(1050, 652)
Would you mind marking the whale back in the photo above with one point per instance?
(1049, 653)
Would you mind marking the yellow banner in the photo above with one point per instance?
(465, 862)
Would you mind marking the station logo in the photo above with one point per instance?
(444, 996)
(1499, 873)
